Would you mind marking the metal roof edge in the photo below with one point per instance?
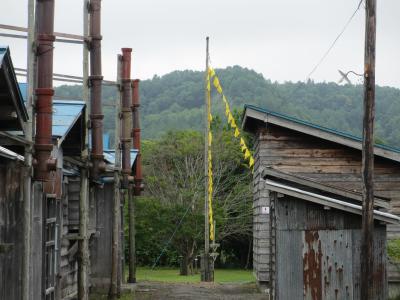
(10, 154)
(328, 201)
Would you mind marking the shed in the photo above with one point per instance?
(319, 159)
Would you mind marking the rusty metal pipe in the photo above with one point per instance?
(95, 83)
(137, 167)
(43, 162)
(126, 141)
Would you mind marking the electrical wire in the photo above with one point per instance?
(170, 239)
(334, 42)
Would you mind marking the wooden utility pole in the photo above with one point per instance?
(205, 262)
(83, 243)
(26, 283)
(117, 192)
(368, 153)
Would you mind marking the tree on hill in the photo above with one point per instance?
(175, 101)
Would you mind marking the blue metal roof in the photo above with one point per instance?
(65, 113)
(3, 51)
(8, 69)
(109, 156)
(322, 128)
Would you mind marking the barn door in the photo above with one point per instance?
(51, 245)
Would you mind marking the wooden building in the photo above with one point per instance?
(302, 158)
(13, 116)
(55, 234)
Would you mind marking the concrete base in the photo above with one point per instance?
(263, 287)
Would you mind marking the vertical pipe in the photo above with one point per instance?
(137, 168)
(132, 233)
(96, 79)
(44, 90)
(83, 243)
(367, 265)
(26, 285)
(136, 188)
(126, 115)
(117, 192)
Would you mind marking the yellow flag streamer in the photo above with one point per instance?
(231, 121)
(210, 74)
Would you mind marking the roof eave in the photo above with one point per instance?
(328, 201)
(254, 114)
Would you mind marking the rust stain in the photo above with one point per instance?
(312, 263)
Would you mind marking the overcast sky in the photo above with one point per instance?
(282, 39)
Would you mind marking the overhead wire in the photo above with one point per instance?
(334, 42)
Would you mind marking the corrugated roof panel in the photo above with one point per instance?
(109, 155)
(65, 112)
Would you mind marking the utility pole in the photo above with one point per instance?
(368, 152)
(83, 243)
(26, 283)
(117, 192)
(206, 272)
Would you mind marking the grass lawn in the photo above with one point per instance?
(172, 275)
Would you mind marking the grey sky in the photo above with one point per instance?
(282, 39)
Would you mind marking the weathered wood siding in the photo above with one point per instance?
(100, 247)
(11, 229)
(69, 238)
(326, 162)
(261, 242)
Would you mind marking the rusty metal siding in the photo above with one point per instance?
(316, 260)
(335, 270)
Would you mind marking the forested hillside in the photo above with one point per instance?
(175, 101)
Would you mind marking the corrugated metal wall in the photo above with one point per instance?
(318, 251)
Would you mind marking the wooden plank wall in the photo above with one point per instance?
(100, 246)
(69, 242)
(261, 233)
(11, 229)
(328, 162)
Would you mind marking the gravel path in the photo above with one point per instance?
(164, 291)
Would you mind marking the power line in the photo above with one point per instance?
(334, 42)
(170, 239)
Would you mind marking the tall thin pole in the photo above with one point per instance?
(117, 192)
(206, 272)
(206, 225)
(368, 153)
(84, 261)
(28, 150)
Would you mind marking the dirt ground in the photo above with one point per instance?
(161, 291)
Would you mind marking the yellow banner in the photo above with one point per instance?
(231, 120)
